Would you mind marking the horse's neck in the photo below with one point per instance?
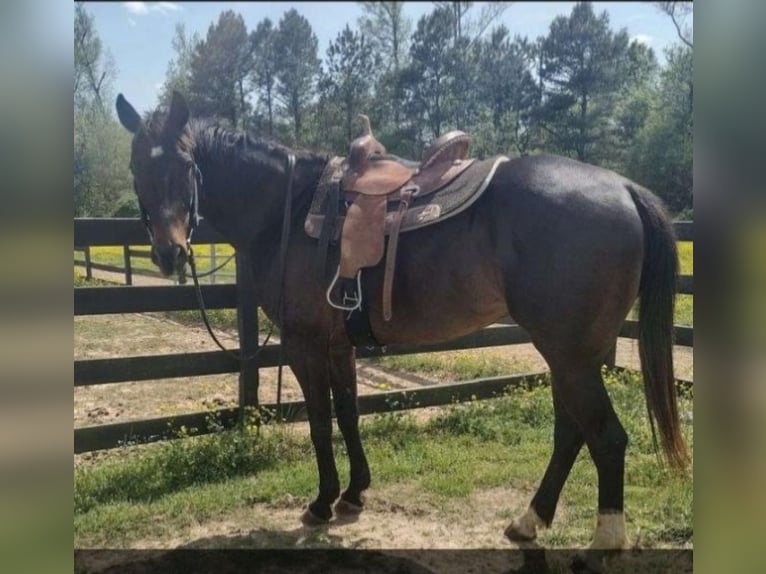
(243, 197)
(243, 191)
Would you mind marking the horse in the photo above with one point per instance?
(562, 247)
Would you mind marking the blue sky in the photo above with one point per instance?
(139, 34)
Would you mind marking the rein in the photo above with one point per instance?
(194, 219)
(286, 220)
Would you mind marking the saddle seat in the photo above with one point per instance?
(370, 170)
(370, 179)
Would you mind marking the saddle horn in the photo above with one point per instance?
(365, 124)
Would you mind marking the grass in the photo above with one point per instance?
(166, 488)
(454, 365)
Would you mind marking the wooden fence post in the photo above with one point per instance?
(128, 268)
(247, 324)
(88, 268)
(212, 263)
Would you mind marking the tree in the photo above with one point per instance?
(220, 66)
(426, 80)
(178, 74)
(94, 68)
(101, 147)
(662, 156)
(263, 40)
(387, 29)
(678, 12)
(507, 88)
(297, 66)
(583, 69)
(347, 79)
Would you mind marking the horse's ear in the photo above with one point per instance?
(177, 116)
(128, 115)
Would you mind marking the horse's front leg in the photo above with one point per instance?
(344, 390)
(310, 364)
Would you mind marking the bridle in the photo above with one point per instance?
(193, 208)
(194, 219)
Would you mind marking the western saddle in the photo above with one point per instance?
(370, 180)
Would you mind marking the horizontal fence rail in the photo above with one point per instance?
(133, 299)
(111, 435)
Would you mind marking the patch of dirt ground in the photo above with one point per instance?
(419, 537)
(396, 517)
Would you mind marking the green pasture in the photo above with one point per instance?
(164, 489)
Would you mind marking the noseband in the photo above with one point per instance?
(193, 209)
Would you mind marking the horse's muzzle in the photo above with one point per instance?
(170, 258)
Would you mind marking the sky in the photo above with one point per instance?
(138, 34)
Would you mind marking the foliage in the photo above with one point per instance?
(297, 67)
(94, 69)
(347, 80)
(264, 74)
(101, 146)
(220, 65)
(582, 89)
(582, 72)
(179, 72)
(388, 30)
(661, 157)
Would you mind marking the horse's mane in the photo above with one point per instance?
(209, 136)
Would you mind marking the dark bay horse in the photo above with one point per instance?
(562, 247)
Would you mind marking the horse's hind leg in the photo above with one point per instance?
(567, 442)
(343, 381)
(589, 416)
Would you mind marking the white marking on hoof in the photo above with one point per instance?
(156, 151)
(610, 532)
(525, 528)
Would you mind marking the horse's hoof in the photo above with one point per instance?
(308, 518)
(587, 562)
(514, 533)
(346, 508)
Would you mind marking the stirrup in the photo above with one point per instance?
(355, 301)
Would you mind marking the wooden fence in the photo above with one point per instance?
(240, 296)
(128, 271)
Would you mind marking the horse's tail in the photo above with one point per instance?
(657, 292)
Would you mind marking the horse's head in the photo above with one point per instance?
(165, 178)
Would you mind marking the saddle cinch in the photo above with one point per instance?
(378, 190)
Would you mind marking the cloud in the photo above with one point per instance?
(644, 39)
(144, 8)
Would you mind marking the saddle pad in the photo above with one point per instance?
(449, 201)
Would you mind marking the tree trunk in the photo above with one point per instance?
(581, 155)
(242, 103)
(269, 105)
